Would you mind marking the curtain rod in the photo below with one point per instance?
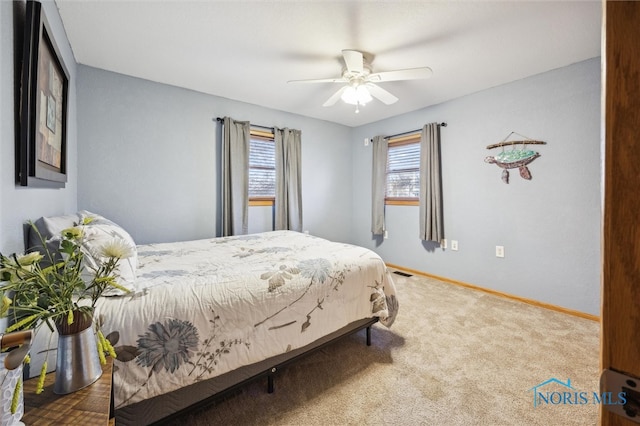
(252, 125)
(443, 124)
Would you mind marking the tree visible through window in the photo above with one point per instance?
(403, 170)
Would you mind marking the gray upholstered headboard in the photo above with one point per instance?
(48, 228)
(26, 229)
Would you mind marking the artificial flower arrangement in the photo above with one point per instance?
(59, 288)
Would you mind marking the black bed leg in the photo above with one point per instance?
(270, 381)
(369, 336)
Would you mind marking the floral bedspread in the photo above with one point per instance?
(206, 307)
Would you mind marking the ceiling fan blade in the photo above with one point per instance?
(320, 80)
(406, 74)
(381, 94)
(353, 60)
(334, 98)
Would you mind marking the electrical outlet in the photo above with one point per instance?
(366, 141)
(454, 244)
(443, 243)
(499, 251)
(386, 234)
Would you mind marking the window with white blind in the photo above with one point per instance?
(262, 168)
(403, 170)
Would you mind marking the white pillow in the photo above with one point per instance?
(100, 231)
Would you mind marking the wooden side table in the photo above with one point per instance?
(92, 405)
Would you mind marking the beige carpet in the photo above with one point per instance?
(453, 357)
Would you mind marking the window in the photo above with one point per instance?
(403, 170)
(262, 168)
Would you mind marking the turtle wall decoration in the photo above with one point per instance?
(514, 158)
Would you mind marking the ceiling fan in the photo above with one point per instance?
(361, 82)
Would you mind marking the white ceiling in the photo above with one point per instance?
(248, 50)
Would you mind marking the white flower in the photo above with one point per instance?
(87, 220)
(29, 259)
(73, 233)
(116, 248)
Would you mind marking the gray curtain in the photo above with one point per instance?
(288, 201)
(431, 224)
(235, 177)
(379, 184)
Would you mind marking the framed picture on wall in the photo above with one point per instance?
(42, 145)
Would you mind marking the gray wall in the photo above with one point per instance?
(150, 155)
(150, 161)
(18, 204)
(549, 226)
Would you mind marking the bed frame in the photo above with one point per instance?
(164, 409)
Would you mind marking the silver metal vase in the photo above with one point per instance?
(78, 364)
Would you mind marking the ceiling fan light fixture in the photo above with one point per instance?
(356, 95)
(362, 85)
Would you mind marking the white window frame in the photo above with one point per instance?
(262, 199)
(404, 141)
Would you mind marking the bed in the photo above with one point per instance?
(207, 315)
